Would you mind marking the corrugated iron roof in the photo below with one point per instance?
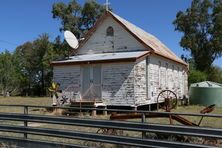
(103, 57)
(207, 84)
(148, 39)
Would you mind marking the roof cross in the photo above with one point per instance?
(107, 5)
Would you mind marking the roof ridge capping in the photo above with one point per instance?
(150, 40)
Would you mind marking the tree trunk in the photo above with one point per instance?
(29, 87)
(43, 83)
(4, 91)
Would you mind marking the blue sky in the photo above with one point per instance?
(25, 20)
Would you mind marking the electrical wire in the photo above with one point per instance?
(7, 42)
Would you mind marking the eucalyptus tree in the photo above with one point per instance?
(201, 25)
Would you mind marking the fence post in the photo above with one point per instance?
(143, 120)
(25, 121)
(105, 111)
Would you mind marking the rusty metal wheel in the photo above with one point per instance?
(109, 131)
(169, 99)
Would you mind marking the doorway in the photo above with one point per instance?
(91, 82)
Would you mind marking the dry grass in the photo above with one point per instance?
(41, 101)
(26, 100)
(206, 122)
(44, 101)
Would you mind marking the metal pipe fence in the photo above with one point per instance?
(116, 110)
(143, 127)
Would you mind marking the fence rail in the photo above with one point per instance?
(114, 110)
(142, 127)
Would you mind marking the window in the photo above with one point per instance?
(183, 83)
(173, 76)
(178, 77)
(159, 74)
(109, 31)
(148, 95)
(166, 75)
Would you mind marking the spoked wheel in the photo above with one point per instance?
(169, 99)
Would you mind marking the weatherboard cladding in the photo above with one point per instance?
(169, 75)
(118, 84)
(121, 41)
(124, 84)
(67, 76)
(126, 31)
(150, 40)
(140, 83)
(127, 37)
(128, 82)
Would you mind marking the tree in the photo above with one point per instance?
(76, 18)
(61, 48)
(42, 48)
(8, 77)
(196, 76)
(90, 12)
(201, 25)
(34, 58)
(69, 15)
(215, 74)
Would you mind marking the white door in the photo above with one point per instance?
(86, 82)
(91, 82)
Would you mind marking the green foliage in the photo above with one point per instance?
(69, 15)
(27, 71)
(201, 25)
(196, 76)
(90, 12)
(215, 74)
(76, 18)
(34, 65)
(8, 76)
(61, 48)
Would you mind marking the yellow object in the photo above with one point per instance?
(53, 87)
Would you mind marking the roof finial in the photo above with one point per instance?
(107, 5)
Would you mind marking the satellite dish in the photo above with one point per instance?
(71, 39)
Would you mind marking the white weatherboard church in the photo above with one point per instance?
(120, 64)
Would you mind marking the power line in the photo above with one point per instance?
(7, 42)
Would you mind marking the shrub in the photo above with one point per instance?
(196, 76)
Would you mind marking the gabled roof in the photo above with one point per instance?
(148, 40)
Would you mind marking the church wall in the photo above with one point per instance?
(166, 74)
(140, 84)
(130, 84)
(68, 77)
(120, 42)
(118, 84)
